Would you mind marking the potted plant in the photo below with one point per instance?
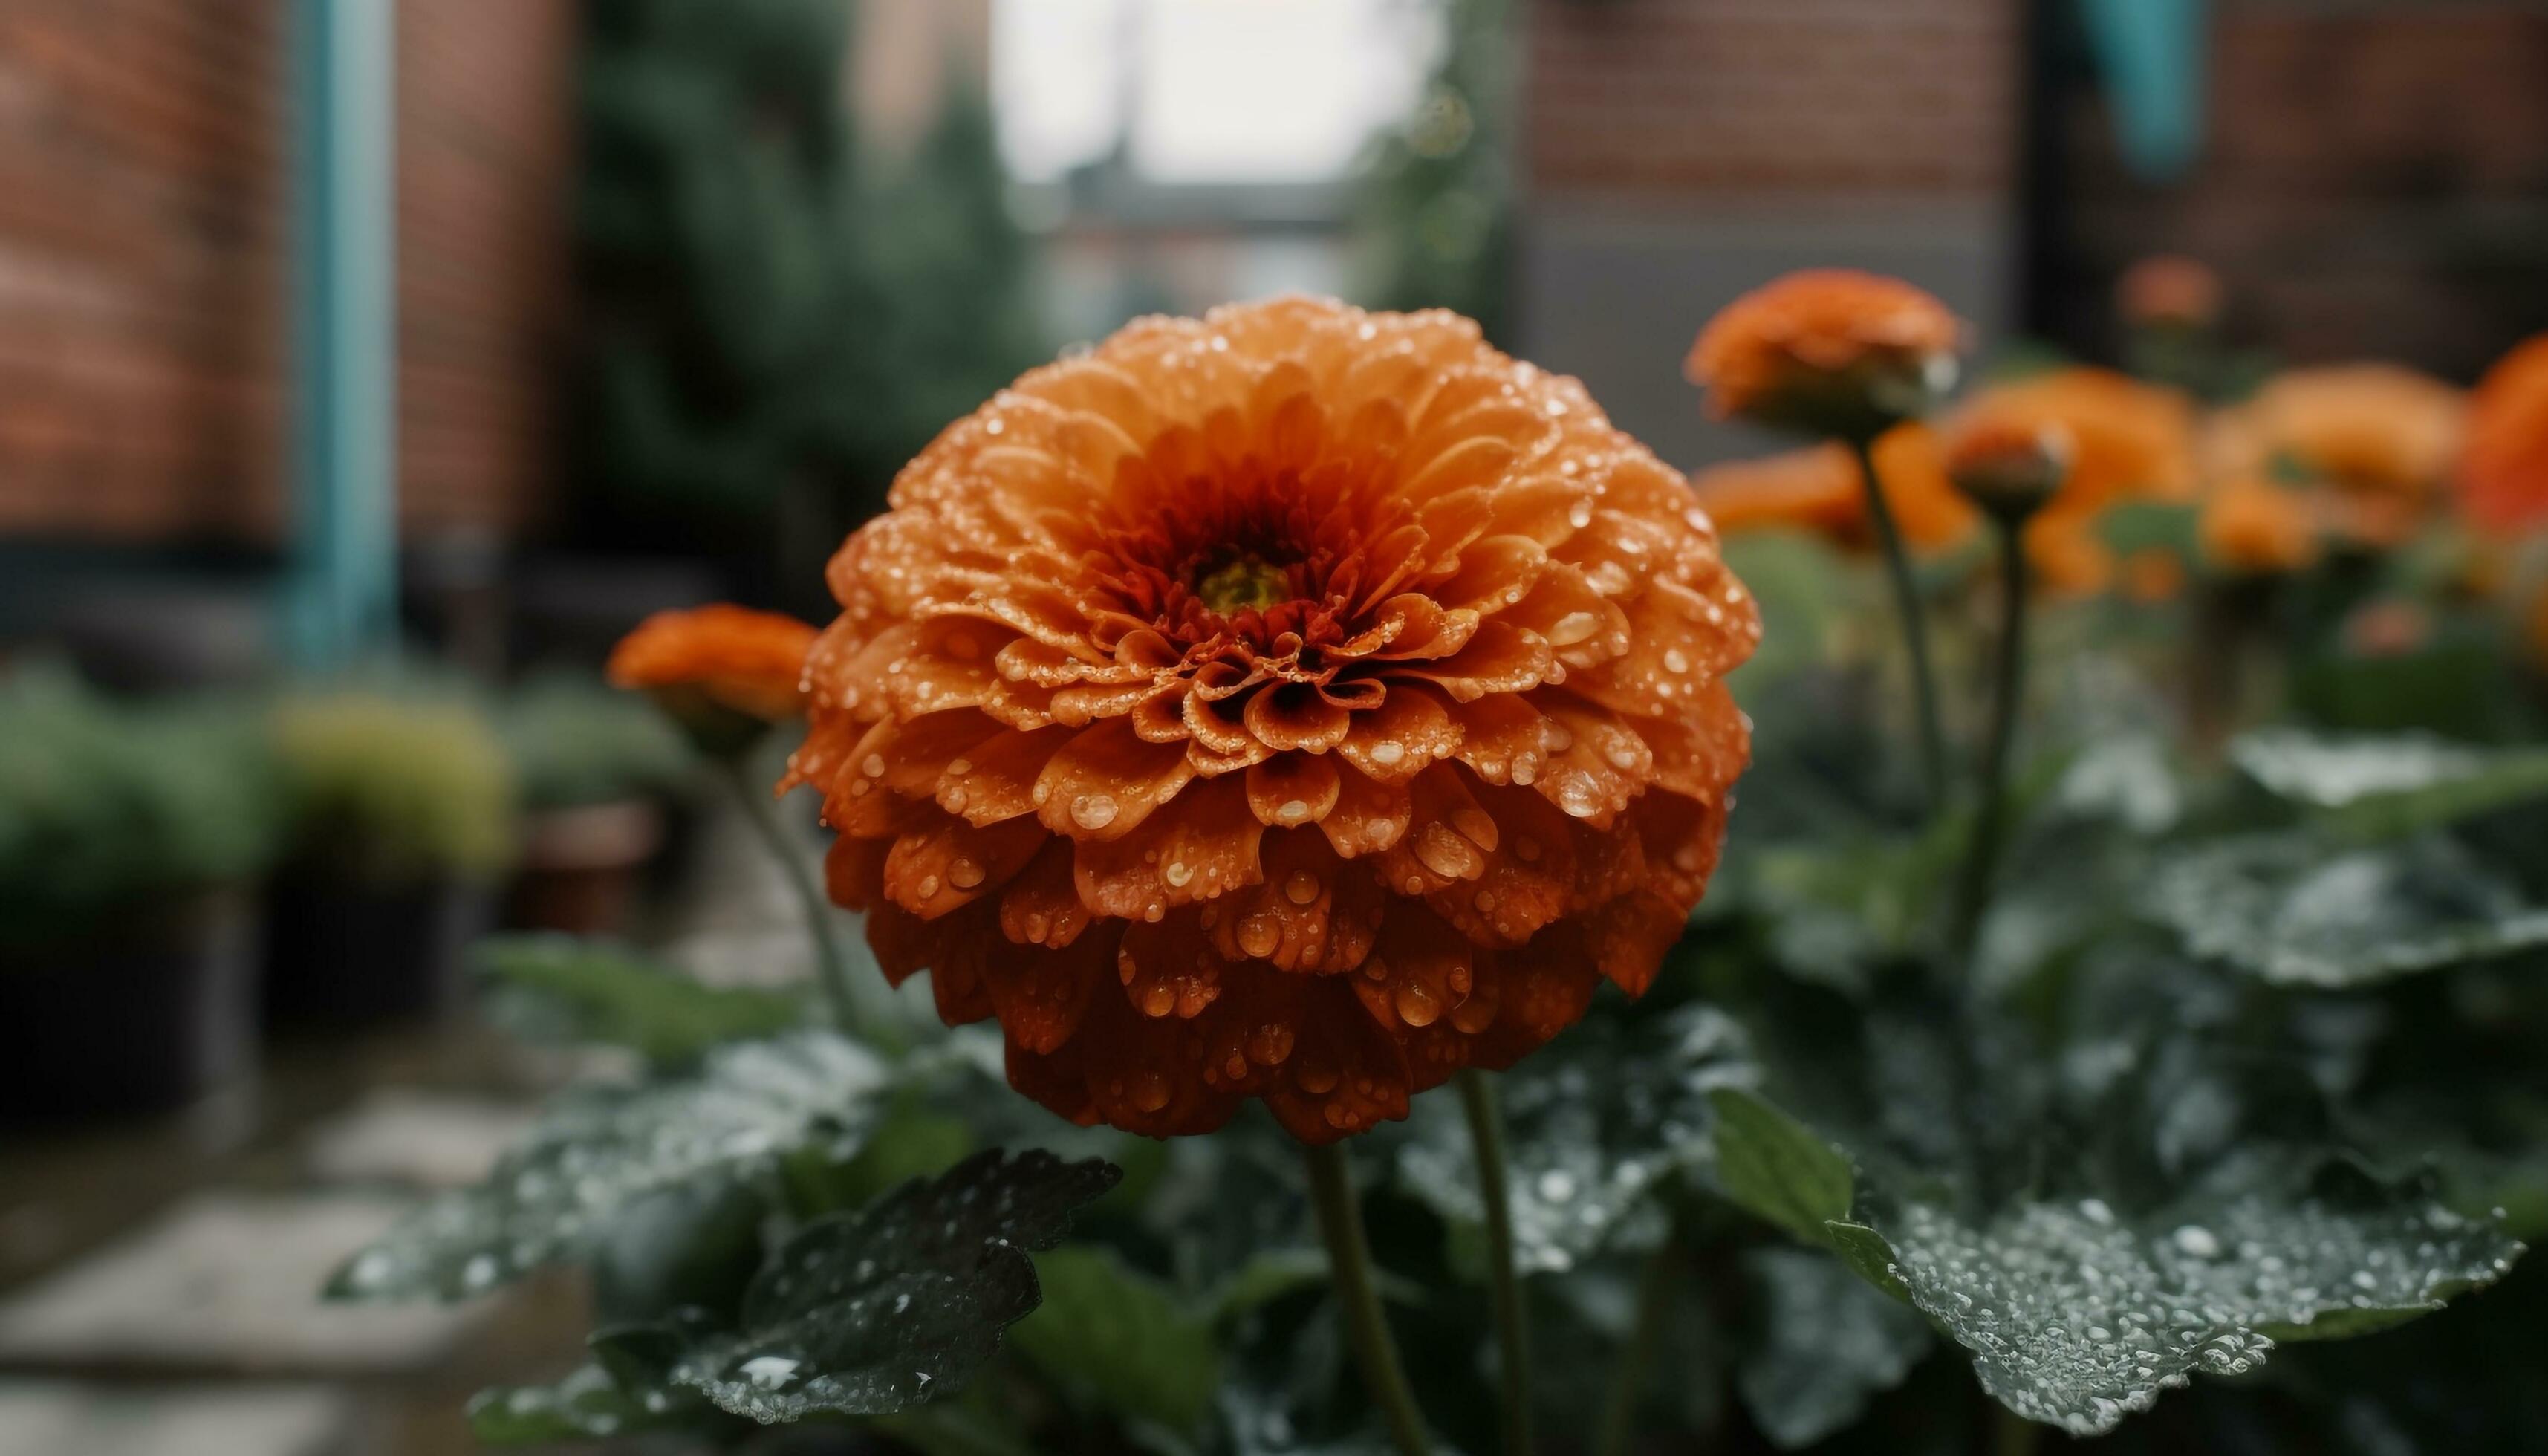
(598, 774)
(128, 835)
(402, 819)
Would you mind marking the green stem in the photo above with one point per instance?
(2013, 1434)
(1909, 611)
(830, 967)
(1655, 1284)
(1494, 1191)
(1332, 1193)
(2008, 686)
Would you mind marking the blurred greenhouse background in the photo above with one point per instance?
(368, 366)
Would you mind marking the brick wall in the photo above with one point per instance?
(1682, 98)
(2374, 180)
(143, 255)
(1678, 152)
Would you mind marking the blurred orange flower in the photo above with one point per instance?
(2377, 441)
(1297, 703)
(2168, 291)
(2130, 441)
(1829, 351)
(722, 657)
(2251, 526)
(2503, 474)
(1821, 489)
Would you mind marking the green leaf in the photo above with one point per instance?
(587, 1406)
(1828, 1344)
(2389, 786)
(594, 1152)
(1593, 1128)
(2078, 1316)
(1775, 1166)
(2293, 910)
(884, 1309)
(594, 991)
(1123, 1336)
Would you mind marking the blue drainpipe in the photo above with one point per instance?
(2153, 53)
(344, 576)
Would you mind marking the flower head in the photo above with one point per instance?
(2010, 468)
(1295, 703)
(2375, 442)
(723, 672)
(2130, 441)
(2168, 291)
(2253, 527)
(2503, 473)
(1820, 489)
(1829, 351)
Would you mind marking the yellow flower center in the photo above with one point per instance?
(1245, 581)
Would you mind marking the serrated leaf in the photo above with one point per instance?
(1829, 1344)
(883, 1310)
(597, 992)
(1777, 1168)
(2390, 785)
(1122, 1335)
(587, 1406)
(2077, 1316)
(1592, 1129)
(593, 1151)
(2295, 910)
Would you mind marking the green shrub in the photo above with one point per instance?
(575, 741)
(394, 788)
(106, 807)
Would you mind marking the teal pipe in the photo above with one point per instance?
(2151, 53)
(342, 590)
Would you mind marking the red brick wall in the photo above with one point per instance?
(2374, 179)
(1706, 98)
(142, 254)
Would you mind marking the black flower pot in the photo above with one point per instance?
(142, 1016)
(343, 952)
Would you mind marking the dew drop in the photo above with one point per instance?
(1573, 627)
(963, 874)
(1302, 888)
(1093, 810)
(1387, 751)
(1177, 874)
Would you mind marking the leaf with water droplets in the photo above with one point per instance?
(2297, 910)
(623, 1391)
(887, 1308)
(2077, 1315)
(1593, 1126)
(564, 988)
(595, 1150)
(1829, 1344)
(2384, 787)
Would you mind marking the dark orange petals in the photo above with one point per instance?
(948, 864)
(1042, 906)
(1294, 715)
(1368, 816)
(1040, 997)
(1292, 791)
(1106, 780)
(1396, 741)
(1344, 1075)
(1200, 846)
(995, 778)
(1169, 967)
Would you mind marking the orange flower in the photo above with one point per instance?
(2131, 441)
(2010, 468)
(2166, 291)
(1829, 351)
(718, 660)
(1297, 703)
(2503, 475)
(2254, 527)
(2377, 441)
(1821, 490)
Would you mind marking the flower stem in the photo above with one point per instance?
(1628, 1373)
(2008, 686)
(1332, 1193)
(830, 967)
(1494, 1191)
(1915, 628)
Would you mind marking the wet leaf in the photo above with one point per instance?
(2295, 910)
(595, 1150)
(2390, 785)
(1829, 1344)
(1592, 1129)
(887, 1308)
(570, 989)
(1122, 1335)
(587, 1406)
(2077, 1316)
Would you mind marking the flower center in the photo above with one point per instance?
(1244, 582)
